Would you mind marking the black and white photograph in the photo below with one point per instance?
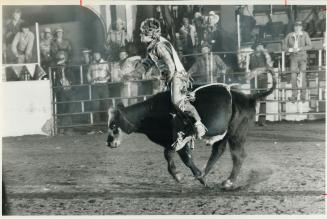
(163, 108)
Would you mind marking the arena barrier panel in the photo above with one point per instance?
(74, 105)
(79, 103)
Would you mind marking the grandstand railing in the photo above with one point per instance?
(315, 95)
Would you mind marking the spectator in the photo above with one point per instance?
(201, 69)
(187, 34)
(98, 75)
(61, 44)
(116, 74)
(131, 69)
(86, 57)
(258, 63)
(199, 24)
(296, 44)
(22, 44)
(317, 25)
(45, 46)
(63, 79)
(212, 34)
(117, 38)
(13, 26)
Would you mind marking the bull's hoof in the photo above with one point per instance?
(227, 185)
(178, 177)
(202, 180)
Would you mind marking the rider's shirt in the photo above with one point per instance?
(161, 54)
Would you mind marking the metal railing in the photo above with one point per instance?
(84, 96)
(315, 95)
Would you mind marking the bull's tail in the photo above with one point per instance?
(260, 95)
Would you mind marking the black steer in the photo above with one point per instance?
(224, 112)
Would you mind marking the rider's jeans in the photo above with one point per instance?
(179, 98)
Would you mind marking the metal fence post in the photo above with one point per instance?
(283, 61)
(318, 91)
(319, 59)
(81, 74)
(278, 94)
(90, 98)
(54, 129)
(211, 68)
(81, 82)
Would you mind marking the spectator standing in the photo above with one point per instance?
(296, 44)
(188, 36)
(12, 27)
(199, 24)
(212, 33)
(61, 44)
(116, 74)
(205, 64)
(86, 57)
(188, 40)
(63, 79)
(22, 44)
(258, 64)
(117, 38)
(98, 76)
(45, 46)
(131, 69)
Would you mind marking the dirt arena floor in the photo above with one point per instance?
(284, 173)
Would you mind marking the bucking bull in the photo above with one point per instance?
(226, 112)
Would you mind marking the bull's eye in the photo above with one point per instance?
(112, 126)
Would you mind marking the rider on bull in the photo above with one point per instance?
(161, 53)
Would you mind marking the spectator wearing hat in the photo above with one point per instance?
(98, 75)
(61, 44)
(45, 46)
(200, 70)
(258, 63)
(296, 44)
(22, 44)
(212, 33)
(86, 57)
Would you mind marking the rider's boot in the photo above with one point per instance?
(199, 126)
(200, 129)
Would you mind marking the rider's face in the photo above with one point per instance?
(145, 39)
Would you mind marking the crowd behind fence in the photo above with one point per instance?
(128, 92)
